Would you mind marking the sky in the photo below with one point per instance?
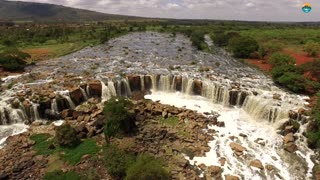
(251, 10)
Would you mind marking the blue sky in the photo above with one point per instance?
(252, 10)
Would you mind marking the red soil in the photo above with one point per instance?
(262, 64)
(38, 54)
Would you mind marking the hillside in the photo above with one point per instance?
(29, 11)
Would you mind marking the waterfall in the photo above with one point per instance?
(35, 112)
(105, 93)
(84, 93)
(112, 89)
(88, 90)
(154, 82)
(142, 83)
(189, 88)
(66, 95)
(54, 107)
(164, 84)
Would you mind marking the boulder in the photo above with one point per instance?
(76, 96)
(291, 147)
(214, 171)
(237, 148)
(231, 177)
(256, 163)
(95, 88)
(222, 161)
(277, 97)
(197, 87)
(134, 82)
(288, 138)
(67, 113)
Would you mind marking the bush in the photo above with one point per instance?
(220, 39)
(294, 82)
(243, 46)
(117, 161)
(147, 168)
(66, 136)
(280, 59)
(118, 118)
(312, 48)
(59, 175)
(12, 59)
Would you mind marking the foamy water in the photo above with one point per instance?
(11, 130)
(238, 121)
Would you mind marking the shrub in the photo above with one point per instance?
(278, 71)
(59, 175)
(243, 46)
(116, 161)
(147, 168)
(312, 48)
(280, 59)
(66, 136)
(294, 82)
(12, 59)
(118, 118)
(220, 39)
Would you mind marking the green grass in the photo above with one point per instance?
(59, 175)
(170, 121)
(70, 155)
(73, 156)
(42, 143)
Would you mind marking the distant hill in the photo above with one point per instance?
(29, 11)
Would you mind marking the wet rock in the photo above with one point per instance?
(76, 96)
(222, 161)
(270, 167)
(288, 138)
(178, 83)
(134, 82)
(293, 114)
(231, 177)
(95, 88)
(15, 103)
(197, 87)
(221, 124)
(256, 163)
(291, 147)
(67, 113)
(243, 135)
(237, 148)
(277, 97)
(214, 171)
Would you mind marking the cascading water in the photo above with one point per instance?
(84, 94)
(66, 95)
(35, 112)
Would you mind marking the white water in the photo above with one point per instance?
(10, 130)
(238, 121)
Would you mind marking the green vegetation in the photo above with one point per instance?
(314, 133)
(279, 59)
(59, 175)
(44, 145)
(66, 136)
(243, 47)
(117, 161)
(312, 48)
(12, 59)
(73, 155)
(147, 168)
(170, 121)
(119, 121)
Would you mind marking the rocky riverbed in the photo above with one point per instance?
(71, 88)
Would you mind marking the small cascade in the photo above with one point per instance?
(35, 112)
(84, 94)
(123, 88)
(142, 83)
(10, 115)
(54, 107)
(66, 95)
(154, 82)
(189, 87)
(165, 84)
(261, 108)
(88, 91)
(106, 95)
(112, 89)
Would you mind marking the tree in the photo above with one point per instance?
(12, 59)
(243, 46)
(147, 168)
(312, 48)
(280, 59)
(118, 118)
(67, 136)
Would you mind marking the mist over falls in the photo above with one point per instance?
(144, 63)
